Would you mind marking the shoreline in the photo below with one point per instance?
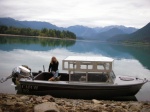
(30, 103)
(114, 43)
(12, 35)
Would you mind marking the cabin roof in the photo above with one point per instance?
(89, 58)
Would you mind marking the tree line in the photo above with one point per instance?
(33, 32)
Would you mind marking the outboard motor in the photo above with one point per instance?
(19, 72)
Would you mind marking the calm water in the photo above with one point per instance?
(34, 52)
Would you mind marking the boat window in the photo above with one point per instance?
(78, 77)
(100, 67)
(103, 66)
(97, 77)
(83, 66)
(90, 67)
(72, 66)
(69, 65)
(91, 77)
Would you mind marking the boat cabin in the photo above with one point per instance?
(89, 69)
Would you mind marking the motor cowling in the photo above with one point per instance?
(20, 72)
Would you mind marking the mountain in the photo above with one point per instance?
(82, 31)
(126, 30)
(24, 24)
(103, 36)
(39, 25)
(100, 33)
(11, 22)
(142, 34)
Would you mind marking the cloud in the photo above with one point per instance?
(85, 12)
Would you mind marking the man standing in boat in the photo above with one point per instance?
(53, 68)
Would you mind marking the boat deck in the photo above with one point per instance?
(97, 79)
(127, 80)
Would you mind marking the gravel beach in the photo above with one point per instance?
(47, 103)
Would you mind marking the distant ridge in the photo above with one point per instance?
(141, 35)
(24, 24)
(11, 22)
(103, 36)
(98, 33)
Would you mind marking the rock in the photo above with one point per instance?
(135, 106)
(46, 107)
(124, 105)
(145, 110)
(68, 104)
(1, 110)
(97, 101)
(61, 102)
(49, 98)
(10, 103)
(18, 99)
(44, 101)
(146, 103)
(39, 99)
(19, 104)
(62, 109)
(24, 98)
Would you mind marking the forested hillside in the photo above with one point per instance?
(141, 35)
(33, 32)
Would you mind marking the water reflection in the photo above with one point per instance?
(28, 43)
(35, 52)
(140, 53)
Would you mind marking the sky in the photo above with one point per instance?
(91, 13)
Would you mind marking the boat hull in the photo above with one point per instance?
(79, 91)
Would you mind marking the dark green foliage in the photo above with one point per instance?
(32, 32)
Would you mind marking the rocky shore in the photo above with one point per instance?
(47, 103)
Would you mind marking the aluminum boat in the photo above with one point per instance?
(86, 77)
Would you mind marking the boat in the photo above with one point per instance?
(85, 77)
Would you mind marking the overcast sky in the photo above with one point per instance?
(92, 13)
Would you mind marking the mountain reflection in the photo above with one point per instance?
(140, 53)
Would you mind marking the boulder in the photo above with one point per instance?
(135, 106)
(10, 103)
(46, 107)
(39, 99)
(49, 98)
(97, 101)
(1, 110)
(62, 109)
(145, 110)
(19, 104)
(24, 98)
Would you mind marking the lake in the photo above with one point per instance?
(36, 52)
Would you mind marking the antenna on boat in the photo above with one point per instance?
(43, 68)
